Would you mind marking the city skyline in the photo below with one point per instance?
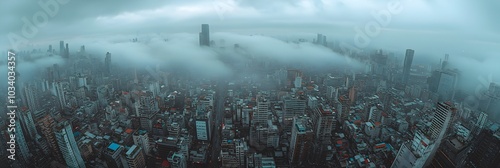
(250, 84)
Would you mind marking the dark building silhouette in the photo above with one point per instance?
(407, 65)
(485, 151)
(107, 64)
(62, 50)
(204, 35)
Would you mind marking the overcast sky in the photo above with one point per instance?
(468, 30)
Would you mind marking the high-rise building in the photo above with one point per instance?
(293, 106)
(485, 150)
(321, 40)
(31, 97)
(107, 64)
(261, 115)
(28, 123)
(204, 35)
(203, 128)
(491, 102)
(407, 65)
(66, 51)
(47, 125)
(414, 153)
(21, 142)
(62, 50)
(141, 139)
(344, 109)
(301, 142)
(323, 123)
(443, 117)
(134, 157)
(443, 82)
(68, 146)
(112, 155)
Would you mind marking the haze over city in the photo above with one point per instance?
(389, 72)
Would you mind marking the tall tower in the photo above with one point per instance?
(344, 108)
(67, 144)
(66, 54)
(135, 157)
(302, 140)
(204, 35)
(443, 116)
(407, 65)
(107, 64)
(47, 125)
(62, 50)
(262, 114)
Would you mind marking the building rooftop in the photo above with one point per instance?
(113, 146)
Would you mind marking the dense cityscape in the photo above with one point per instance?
(250, 84)
(88, 112)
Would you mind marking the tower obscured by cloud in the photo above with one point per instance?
(204, 35)
(107, 63)
(407, 65)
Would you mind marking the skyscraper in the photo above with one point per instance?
(485, 150)
(68, 146)
(443, 116)
(261, 115)
(134, 157)
(107, 64)
(62, 50)
(66, 53)
(407, 65)
(491, 102)
(47, 125)
(204, 35)
(302, 140)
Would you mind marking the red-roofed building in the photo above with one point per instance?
(165, 164)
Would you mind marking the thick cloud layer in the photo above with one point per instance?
(467, 30)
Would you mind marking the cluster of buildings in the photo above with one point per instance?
(89, 113)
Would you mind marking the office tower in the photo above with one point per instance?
(241, 148)
(82, 49)
(485, 150)
(62, 50)
(135, 158)
(302, 140)
(204, 35)
(112, 155)
(293, 106)
(47, 125)
(107, 64)
(68, 146)
(203, 127)
(443, 82)
(22, 144)
(344, 109)
(28, 123)
(321, 39)
(443, 117)
(407, 65)
(58, 88)
(261, 115)
(481, 120)
(414, 153)
(141, 139)
(31, 97)
(323, 123)
(145, 109)
(66, 53)
(491, 102)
